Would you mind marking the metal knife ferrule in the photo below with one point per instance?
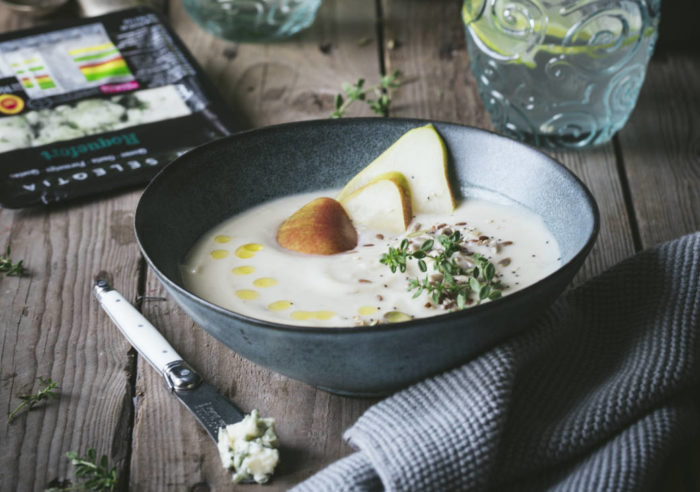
(179, 376)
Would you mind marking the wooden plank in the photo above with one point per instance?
(659, 146)
(296, 79)
(51, 327)
(597, 168)
(267, 84)
(11, 20)
(678, 29)
(435, 63)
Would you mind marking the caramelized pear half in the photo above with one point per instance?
(321, 227)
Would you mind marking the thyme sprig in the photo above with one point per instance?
(381, 101)
(9, 268)
(97, 474)
(31, 400)
(457, 283)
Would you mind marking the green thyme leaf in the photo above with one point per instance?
(489, 272)
(96, 473)
(476, 284)
(461, 300)
(381, 102)
(484, 292)
(9, 268)
(46, 392)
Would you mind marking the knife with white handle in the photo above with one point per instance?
(211, 409)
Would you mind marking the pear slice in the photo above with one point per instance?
(420, 155)
(321, 227)
(383, 204)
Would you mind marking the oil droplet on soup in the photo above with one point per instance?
(222, 239)
(307, 315)
(265, 282)
(243, 270)
(324, 315)
(248, 250)
(279, 305)
(219, 254)
(397, 316)
(366, 310)
(301, 315)
(247, 295)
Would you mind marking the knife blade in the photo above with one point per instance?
(211, 410)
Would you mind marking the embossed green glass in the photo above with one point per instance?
(560, 73)
(252, 20)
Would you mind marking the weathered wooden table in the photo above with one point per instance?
(646, 182)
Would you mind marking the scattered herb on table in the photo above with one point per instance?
(455, 283)
(8, 267)
(378, 97)
(96, 475)
(46, 392)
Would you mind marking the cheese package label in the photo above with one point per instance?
(101, 104)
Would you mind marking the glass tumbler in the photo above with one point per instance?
(560, 73)
(252, 20)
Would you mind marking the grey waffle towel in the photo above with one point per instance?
(593, 397)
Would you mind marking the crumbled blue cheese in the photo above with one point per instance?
(249, 448)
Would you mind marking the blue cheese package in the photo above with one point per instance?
(98, 104)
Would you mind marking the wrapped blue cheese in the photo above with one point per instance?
(100, 104)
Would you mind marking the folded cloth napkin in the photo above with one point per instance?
(593, 397)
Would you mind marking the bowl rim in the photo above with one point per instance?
(382, 327)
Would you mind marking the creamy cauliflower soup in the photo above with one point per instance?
(240, 266)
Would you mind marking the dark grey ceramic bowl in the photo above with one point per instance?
(243, 170)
